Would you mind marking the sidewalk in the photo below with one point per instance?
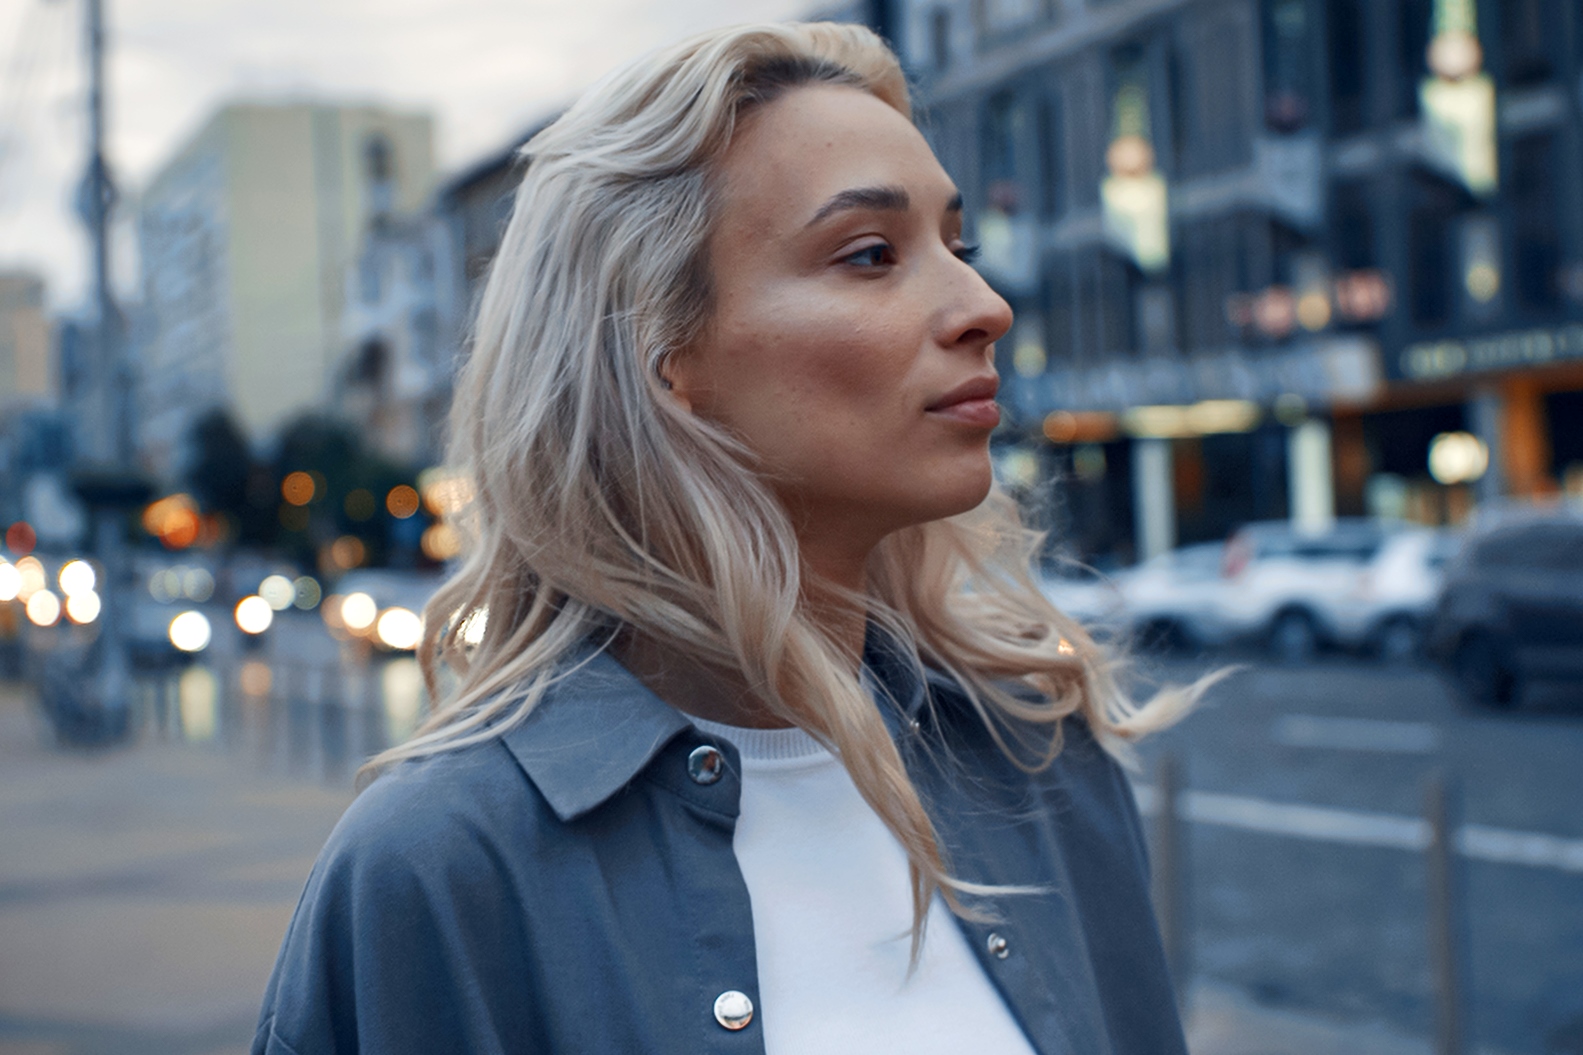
(143, 893)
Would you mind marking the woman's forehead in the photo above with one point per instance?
(794, 156)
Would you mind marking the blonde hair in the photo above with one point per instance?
(599, 504)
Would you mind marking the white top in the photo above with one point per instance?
(832, 912)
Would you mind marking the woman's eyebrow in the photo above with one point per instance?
(889, 199)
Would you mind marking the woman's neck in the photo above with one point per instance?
(724, 695)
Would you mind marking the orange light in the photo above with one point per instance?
(297, 488)
(440, 543)
(348, 552)
(402, 501)
(174, 520)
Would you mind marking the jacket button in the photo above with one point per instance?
(705, 765)
(733, 1010)
(998, 946)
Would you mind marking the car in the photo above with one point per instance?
(1283, 580)
(1176, 601)
(1511, 610)
(1083, 594)
(1382, 613)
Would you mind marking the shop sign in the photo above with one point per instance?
(1438, 360)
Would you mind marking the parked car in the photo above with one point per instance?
(1282, 581)
(1177, 601)
(1511, 610)
(1383, 611)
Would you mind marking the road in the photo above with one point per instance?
(1304, 835)
(1324, 908)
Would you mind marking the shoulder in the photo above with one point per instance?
(408, 899)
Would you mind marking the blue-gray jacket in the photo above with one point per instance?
(569, 887)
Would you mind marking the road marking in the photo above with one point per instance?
(1356, 734)
(1366, 828)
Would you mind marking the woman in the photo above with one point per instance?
(760, 735)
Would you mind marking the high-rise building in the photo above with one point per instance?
(246, 239)
(1267, 255)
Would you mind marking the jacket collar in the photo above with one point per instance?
(598, 726)
(594, 730)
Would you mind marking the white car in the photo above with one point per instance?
(1177, 600)
(1384, 610)
(1085, 596)
(1282, 582)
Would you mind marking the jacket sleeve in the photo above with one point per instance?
(406, 939)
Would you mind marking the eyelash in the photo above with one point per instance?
(967, 253)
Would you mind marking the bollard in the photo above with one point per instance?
(1444, 918)
(1170, 902)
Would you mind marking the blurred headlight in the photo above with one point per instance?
(190, 632)
(400, 628)
(253, 614)
(77, 577)
(82, 606)
(43, 608)
(10, 582)
(358, 611)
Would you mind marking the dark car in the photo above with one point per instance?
(1511, 611)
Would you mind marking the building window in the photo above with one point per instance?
(1348, 63)
(1526, 42)
(940, 38)
(1006, 140)
(997, 20)
(1288, 65)
(1536, 256)
(1413, 25)
(1052, 171)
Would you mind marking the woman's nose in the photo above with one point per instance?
(979, 316)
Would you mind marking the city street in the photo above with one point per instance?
(1325, 908)
(143, 889)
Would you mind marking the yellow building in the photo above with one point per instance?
(245, 238)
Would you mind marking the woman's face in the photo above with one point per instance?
(851, 345)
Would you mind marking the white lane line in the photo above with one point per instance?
(1366, 828)
(1356, 734)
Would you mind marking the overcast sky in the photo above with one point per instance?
(485, 68)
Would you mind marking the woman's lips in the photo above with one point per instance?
(984, 413)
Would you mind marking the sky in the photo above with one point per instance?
(484, 68)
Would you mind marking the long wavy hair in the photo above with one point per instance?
(598, 504)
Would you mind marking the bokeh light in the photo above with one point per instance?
(402, 501)
(254, 615)
(359, 504)
(83, 606)
(20, 538)
(400, 629)
(297, 488)
(190, 631)
(10, 581)
(77, 576)
(197, 584)
(43, 608)
(278, 592)
(173, 520)
(348, 552)
(440, 542)
(32, 576)
(305, 592)
(358, 611)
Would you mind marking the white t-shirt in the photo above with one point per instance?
(832, 912)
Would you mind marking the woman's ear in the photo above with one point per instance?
(675, 379)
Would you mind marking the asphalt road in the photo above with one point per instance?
(1325, 908)
(1306, 873)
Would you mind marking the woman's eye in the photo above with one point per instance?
(876, 255)
(966, 253)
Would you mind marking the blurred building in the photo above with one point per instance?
(1267, 254)
(246, 237)
(26, 373)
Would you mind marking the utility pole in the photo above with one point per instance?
(91, 700)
